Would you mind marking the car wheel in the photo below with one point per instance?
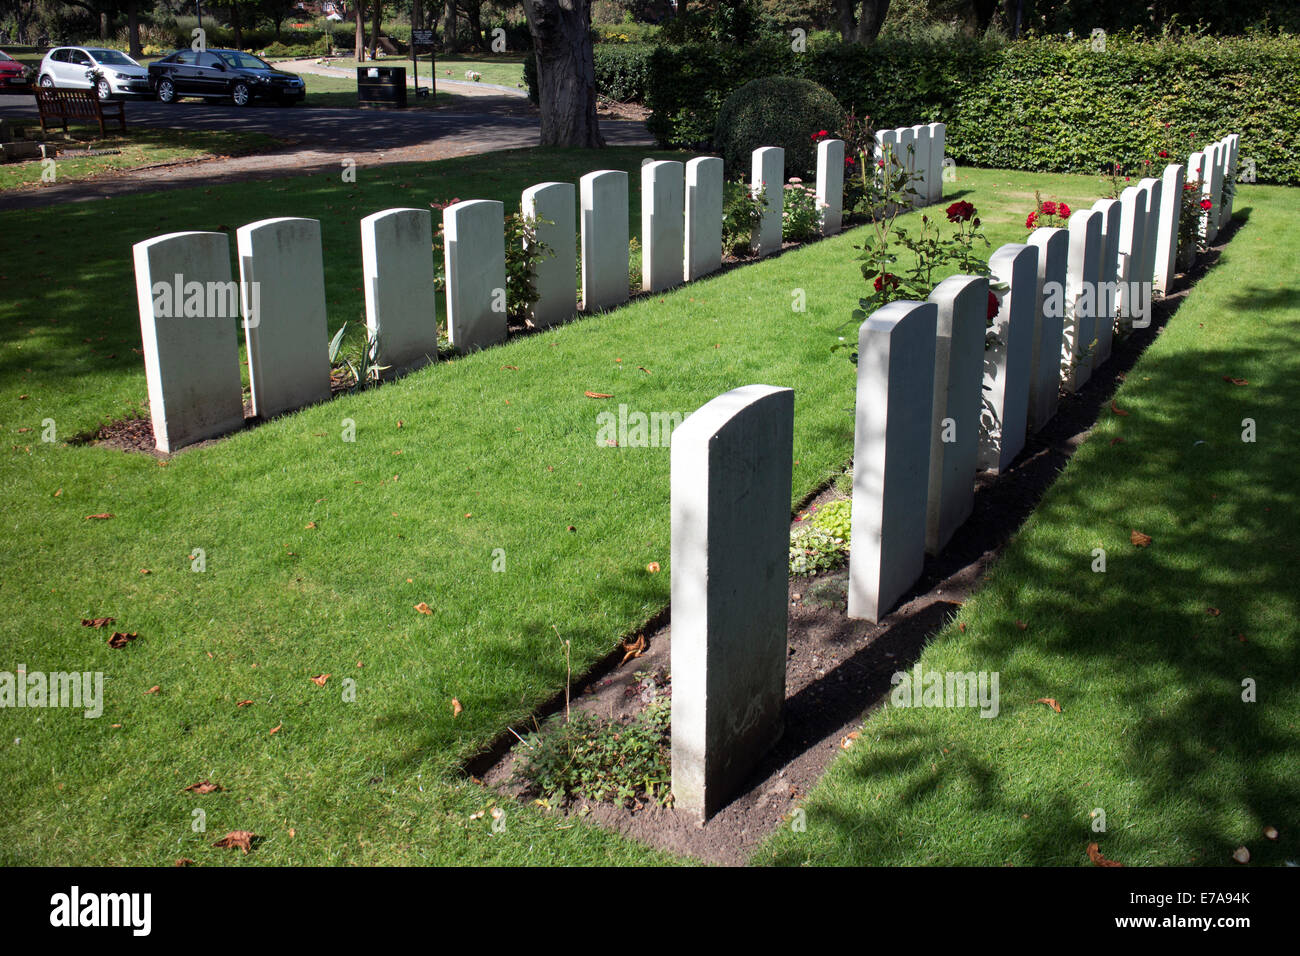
(104, 90)
(166, 92)
(47, 81)
(241, 94)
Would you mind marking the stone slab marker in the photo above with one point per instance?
(1045, 362)
(1154, 190)
(907, 159)
(921, 140)
(1132, 238)
(474, 248)
(830, 184)
(954, 432)
(767, 178)
(731, 470)
(1171, 193)
(1009, 364)
(282, 286)
(1234, 143)
(397, 273)
(663, 224)
(557, 203)
(1197, 171)
(1083, 266)
(603, 195)
(1106, 299)
(703, 217)
(886, 149)
(891, 455)
(1214, 189)
(938, 143)
(191, 355)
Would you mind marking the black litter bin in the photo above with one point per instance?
(381, 87)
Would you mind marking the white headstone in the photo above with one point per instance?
(397, 273)
(1107, 296)
(907, 159)
(891, 455)
(1171, 194)
(189, 307)
(938, 143)
(557, 205)
(1045, 364)
(282, 286)
(1154, 190)
(1132, 241)
(1196, 173)
(921, 141)
(886, 152)
(830, 184)
(954, 432)
(731, 470)
(1009, 364)
(475, 251)
(1083, 266)
(1214, 190)
(1232, 167)
(768, 179)
(604, 239)
(703, 216)
(663, 224)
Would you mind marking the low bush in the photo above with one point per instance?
(776, 111)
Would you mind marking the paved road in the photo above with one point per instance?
(315, 138)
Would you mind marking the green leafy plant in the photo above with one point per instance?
(524, 252)
(633, 265)
(359, 360)
(742, 211)
(835, 517)
(814, 549)
(801, 213)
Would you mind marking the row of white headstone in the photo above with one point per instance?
(193, 368)
(919, 150)
(924, 381)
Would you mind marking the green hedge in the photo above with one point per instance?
(622, 71)
(1049, 105)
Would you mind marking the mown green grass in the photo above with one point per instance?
(485, 458)
(1153, 729)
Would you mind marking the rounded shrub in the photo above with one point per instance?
(780, 111)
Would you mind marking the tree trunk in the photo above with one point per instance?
(473, 13)
(236, 26)
(566, 72)
(133, 29)
(449, 26)
(376, 24)
(861, 27)
(359, 9)
(103, 25)
(417, 15)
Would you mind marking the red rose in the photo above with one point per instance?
(1049, 208)
(1163, 154)
(886, 279)
(848, 161)
(1030, 220)
(880, 163)
(1206, 204)
(1063, 211)
(960, 211)
(994, 305)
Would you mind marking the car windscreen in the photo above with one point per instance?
(243, 61)
(5, 57)
(113, 58)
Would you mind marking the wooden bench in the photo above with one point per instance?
(78, 105)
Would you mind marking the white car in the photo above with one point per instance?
(75, 68)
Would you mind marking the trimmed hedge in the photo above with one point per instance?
(1041, 104)
(622, 71)
(775, 111)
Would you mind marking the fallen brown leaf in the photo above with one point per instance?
(152, 690)
(1050, 703)
(847, 740)
(243, 703)
(1094, 854)
(1139, 539)
(1021, 625)
(97, 621)
(632, 649)
(99, 517)
(456, 708)
(320, 679)
(119, 640)
(238, 838)
(1236, 381)
(1117, 410)
(597, 395)
(204, 786)
(653, 567)
(276, 728)
(1213, 611)
(145, 571)
(423, 608)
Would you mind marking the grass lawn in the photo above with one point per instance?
(340, 92)
(505, 69)
(1153, 729)
(138, 146)
(317, 549)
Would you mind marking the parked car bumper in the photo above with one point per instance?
(14, 83)
(135, 86)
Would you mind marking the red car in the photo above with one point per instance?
(13, 75)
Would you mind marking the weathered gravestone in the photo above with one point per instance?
(1045, 364)
(1214, 190)
(663, 224)
(475, 253)
(887, 153)
(555, 206)
(767, 180)
(1083, 267)
(189, 307)
(1008, 364)
(921, 163)
(891, 455)
(1171, 195)
(938, 143)
(703, 217)
(731, 470)
(604, 239)
(1154, 190)
(830, 184)
(282, 286)
(955, 419)
(397, 273)
(907, 159)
